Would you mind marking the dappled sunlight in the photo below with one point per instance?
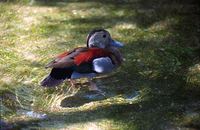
(194, 75)
(163, 25)
(89, 13)
(125, 26)
(29, 56)
(6, 79)
(92, 125)
(157, 87)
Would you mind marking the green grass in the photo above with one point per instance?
(162, 63)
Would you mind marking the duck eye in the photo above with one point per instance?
(104, 36)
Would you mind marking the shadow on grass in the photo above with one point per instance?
(142, 13)
(155, 109)
(155, 66)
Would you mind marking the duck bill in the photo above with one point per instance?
(117, 44)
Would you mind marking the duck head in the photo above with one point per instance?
(101, 38)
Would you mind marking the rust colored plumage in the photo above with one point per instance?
(77, 57)
(91, 54)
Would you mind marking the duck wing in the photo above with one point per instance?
(77, 57)
(66, 59)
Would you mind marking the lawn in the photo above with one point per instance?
(162, 66)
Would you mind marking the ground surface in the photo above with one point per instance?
(158, 86)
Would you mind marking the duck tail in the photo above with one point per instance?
(51, 82)
(57, 76)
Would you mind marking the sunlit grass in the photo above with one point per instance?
(159, 63)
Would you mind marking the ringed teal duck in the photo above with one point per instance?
(100, 56)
